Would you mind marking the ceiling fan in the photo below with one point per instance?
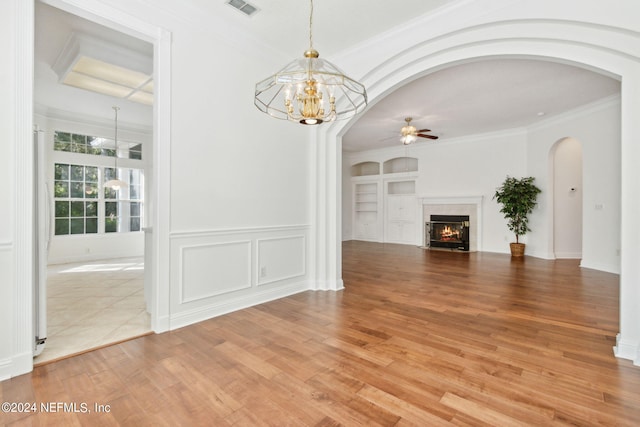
(411, 134)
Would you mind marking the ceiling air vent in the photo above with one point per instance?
(243, 6)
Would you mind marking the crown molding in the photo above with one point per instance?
(584, 110)
(69, 116)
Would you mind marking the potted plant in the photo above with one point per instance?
(518, 198)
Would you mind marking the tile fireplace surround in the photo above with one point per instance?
(471, 205)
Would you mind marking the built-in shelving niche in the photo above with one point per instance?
(400, 164)
(365, 169)
(401, 187)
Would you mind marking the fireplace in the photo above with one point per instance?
(448, 232)
(470, 206)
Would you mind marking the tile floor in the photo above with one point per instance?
(92, 304)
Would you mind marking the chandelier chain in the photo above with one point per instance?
(311, 26)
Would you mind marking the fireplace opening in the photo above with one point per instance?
(448, 232)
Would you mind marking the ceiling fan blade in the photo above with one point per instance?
(427, 136)
(423, 130)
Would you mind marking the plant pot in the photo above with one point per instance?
(517, 249)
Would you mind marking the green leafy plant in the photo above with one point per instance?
(518, 198)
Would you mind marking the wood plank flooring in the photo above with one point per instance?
(417, 338)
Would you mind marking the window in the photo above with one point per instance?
(123, 208)
(82, 205)
(76, 193)
(85, 144)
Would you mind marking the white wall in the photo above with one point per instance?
(481, 164)
(597, 127)
(238, 177)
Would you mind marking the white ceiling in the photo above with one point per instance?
(337, 24)
(466, 99)
(479, 97)
(53, 27)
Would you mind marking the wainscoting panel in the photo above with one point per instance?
(281, 258)
(217, 272)
(214, 269)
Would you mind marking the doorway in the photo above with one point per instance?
(567, 199)
(95, 263)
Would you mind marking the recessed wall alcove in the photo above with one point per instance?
(400, 164)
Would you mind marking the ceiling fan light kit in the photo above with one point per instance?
(310, 90)
(409, 134)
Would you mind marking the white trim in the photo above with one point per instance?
(86, 119)
(161, 185)
(329, 285)
(6, 246)
(451, 200)
(241, 230)
(302, 273)
(360, 156)
(584, 110)
(607, 268)
(184, 249)
(24, 339)
(185, 318)
(6, 369)
(627, 350)
(568, 255)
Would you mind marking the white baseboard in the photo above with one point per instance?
(190, 317)
(627, 350)
(327, 285)
(607, 268)
(17, 365)
(568, 255)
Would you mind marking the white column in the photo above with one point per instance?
(24, 189)
(628, 340)
(326, 210)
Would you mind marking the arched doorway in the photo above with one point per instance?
(413, 53)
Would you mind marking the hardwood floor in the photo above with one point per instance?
(416, 338)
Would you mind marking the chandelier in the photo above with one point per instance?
(115, 183)
(310, 90)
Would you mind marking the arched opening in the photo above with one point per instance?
(600, 53)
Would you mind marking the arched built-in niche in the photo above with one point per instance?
(400, 164)
(567, 184)
(365, 169)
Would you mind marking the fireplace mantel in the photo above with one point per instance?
(451, 200)
(456, 205)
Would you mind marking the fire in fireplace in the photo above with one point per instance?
(448, 231)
